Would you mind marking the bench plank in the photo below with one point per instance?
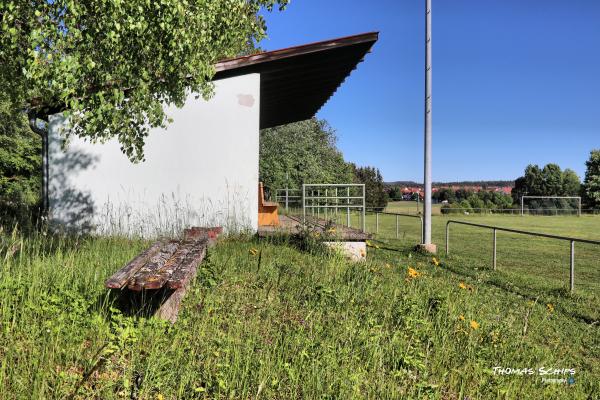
(156, 262)
(187, 269)
(120, 278)
(158, 278)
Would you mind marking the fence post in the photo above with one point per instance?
(376, 222)
(303, 204)
(286, 199)
(348, 209)
(397, 226)
(572, 269)
(364, 205)
(448, 238)
(494, 251)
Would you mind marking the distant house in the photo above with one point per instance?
(203, 168)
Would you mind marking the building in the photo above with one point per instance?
(203, 169)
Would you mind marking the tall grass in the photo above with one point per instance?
(279, 323)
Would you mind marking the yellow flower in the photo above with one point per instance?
(388, 266)
(462, 285)
(435, 262)
(331, 230)
(412, 273)
(253, 251)
(159, 397)
(461, 317)
(550, 307)
(474, 325)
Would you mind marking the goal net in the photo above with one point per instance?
(550, 205)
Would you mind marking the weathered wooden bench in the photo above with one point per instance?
(157, 279)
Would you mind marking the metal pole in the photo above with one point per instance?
(572, 269)
(326, 204)
(303, 204)
(447, 238)
(522, 205)
(428, 123)
(337, 203)
(364, 225)
(348, 209)
(494, 251)
(286, 199)
(397, 226)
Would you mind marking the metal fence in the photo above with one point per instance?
(397, 217)
(288, 198)
(495, 229)
(325, 201)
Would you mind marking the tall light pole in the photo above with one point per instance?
(426, 242)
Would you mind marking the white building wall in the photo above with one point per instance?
(202, 170)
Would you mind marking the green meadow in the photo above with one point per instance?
(286, 323)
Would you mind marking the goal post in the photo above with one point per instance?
(578, 198)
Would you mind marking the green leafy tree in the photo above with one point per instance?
(395, 193)
(20, 166)
(547, 181)
(571, 184)
(114, 64)
(591, 182)
(551, 184)
(301, 152)
(375, 194)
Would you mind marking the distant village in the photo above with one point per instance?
(410, 190)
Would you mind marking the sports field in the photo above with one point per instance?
(532, 262)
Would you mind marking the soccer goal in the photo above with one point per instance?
(551, 205)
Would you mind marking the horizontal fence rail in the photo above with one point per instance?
(398, 215)
(317, 197)
(495, 229)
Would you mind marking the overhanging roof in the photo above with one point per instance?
(296, 82)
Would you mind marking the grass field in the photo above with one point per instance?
(536, 263)
(285, 324)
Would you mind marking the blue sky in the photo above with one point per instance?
(514, 82)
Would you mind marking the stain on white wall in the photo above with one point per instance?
(201, 170)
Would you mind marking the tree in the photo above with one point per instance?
(551, 184)
(375, 194)
(114, 64)
(20, 161)
(547, 181)
(591, 182)
(571, 183)
(301, 152)
(395, 193)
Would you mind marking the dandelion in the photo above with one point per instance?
(412, 273)
(550, 307)
(253, 251)
(160, 397)
(462, 286)
(331, 230)
(461, 317)
(435, 262)
(474, 325)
